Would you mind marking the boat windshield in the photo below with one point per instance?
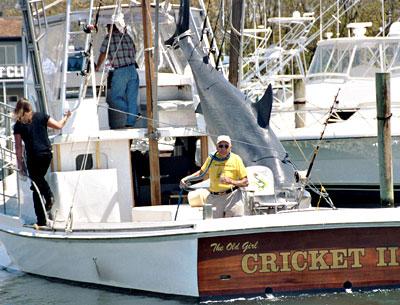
(361, 59)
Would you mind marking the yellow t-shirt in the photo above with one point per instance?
(232, 168)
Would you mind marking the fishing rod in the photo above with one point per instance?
(316, 150)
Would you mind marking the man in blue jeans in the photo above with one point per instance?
(125, 80)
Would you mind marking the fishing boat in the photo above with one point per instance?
(347, 164)
(102, 233)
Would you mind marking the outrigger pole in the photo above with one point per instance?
(155, 189)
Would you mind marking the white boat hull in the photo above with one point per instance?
(315, 249)
(134, 263)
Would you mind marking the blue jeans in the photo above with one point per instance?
(124, 91)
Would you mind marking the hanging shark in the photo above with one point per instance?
(226, 110)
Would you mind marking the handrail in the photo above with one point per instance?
(8, 161)
(6, 105)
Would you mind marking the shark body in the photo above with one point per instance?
(226, 111)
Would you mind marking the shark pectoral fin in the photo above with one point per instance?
(264, 108)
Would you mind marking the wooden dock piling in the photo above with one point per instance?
(383, 106)
(299, 91)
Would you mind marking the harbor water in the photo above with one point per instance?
(17, 288)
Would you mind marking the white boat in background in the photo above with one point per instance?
(348, 155)
(101, 235)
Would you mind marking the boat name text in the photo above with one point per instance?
(234, 246)
(314, 260)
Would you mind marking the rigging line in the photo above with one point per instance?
(40, 199)
(205, 22)
(96, 20)
(68, 226)
(215, 29)
(253, 69)
(297, 142)
(322, 193)
(87, 73)
(102, 78)
(198, 178)
(222, 42)
(200, 132)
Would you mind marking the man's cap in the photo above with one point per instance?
(224, 138)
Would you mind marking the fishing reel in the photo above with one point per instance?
(89, 28)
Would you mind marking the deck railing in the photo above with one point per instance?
(8, 159)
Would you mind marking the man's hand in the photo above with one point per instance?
(183, 184)
(68, 113)
(22, 171)
(226, 180)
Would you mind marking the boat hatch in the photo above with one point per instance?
(341, 115)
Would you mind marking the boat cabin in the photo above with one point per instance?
(351, 63)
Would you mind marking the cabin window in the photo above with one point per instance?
(12, 98)
(84, 162)
(366, 62)
(8, 55)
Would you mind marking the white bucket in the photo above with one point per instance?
(198, 197)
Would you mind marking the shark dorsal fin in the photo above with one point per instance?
(263, 108)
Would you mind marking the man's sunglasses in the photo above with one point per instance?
(223, 146)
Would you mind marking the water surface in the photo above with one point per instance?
(17, 288)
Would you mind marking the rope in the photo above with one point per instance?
(179, 203)
(190, 129)
(222, 42)
(34, 185)
(68, 225)
(384, 118)
(213, 157)
(205, 21)
(41, 200)
(215, 29)
(102, 78)
(181, 36)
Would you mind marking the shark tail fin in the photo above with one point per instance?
(183, 22)
(264, 107)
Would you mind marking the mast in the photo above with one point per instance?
(155, 189)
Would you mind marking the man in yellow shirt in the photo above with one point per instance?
(227, 174)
